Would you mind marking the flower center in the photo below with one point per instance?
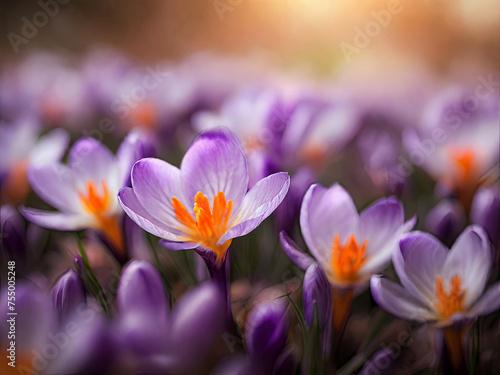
(465, 163)
(347, 259)
(449, 303)
(208, 225)
(144, 114)
(98, 205)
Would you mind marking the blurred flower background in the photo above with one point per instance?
(337, 208)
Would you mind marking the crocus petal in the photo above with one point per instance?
(485, 211)
(141, 298)
(135, 146)
(381, 225)
(197, 318)
(92, 161)
(418, 263)
(143, 218)
(396, 300)
(54, 184)
(215, 162)
(324, 213)
(155, 182)
(470, 258)
(258, 204)
(57, 220)
(68, 294)
(266, 332)
(50, 148)
(488, 302)
(174, 245)
(296, 255)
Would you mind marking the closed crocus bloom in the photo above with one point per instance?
(266, 334)
(440, 285)
(205, 203)
(68, 294)
(85, 191)
(318, 297)
(349, 247)
(486, 212)
(141, 298)
(20, 148)
(445, 221)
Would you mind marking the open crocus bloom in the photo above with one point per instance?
(205, 203)
(21, 148)
(440, 285)
(85, 191)
(349, 246)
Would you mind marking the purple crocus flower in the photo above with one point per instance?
(485, 211)
(457, 142)
(318, 297)
(161, 339)
(446, 221)
(349, 247)
(84, 191)
(175, 204)
(266, 333)
(68, 294)
(440, 285)
(20, 149)
(316, 131)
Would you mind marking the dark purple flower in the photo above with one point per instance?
(446, 220)
(266, 333)
(68, 294)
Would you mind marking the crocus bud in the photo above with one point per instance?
(68, 294)
(445, 221)
(485, 211)
(142, 303)
(266, 333)
(318, 297)
(196, 320)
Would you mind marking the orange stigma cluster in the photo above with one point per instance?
(98, 205)
(347, 259)
(465, 163)
(208, 225)
(452, 302)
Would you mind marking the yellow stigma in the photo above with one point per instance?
(98, 205)
(347, 259)
(449, 303)
(208, 225)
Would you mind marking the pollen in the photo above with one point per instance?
(347, 259)
(208, 224)
(449, 303)
(98, 204)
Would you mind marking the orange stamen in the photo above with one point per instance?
(208, 225)
(98, 205)
(346, 260)
(452, 302)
